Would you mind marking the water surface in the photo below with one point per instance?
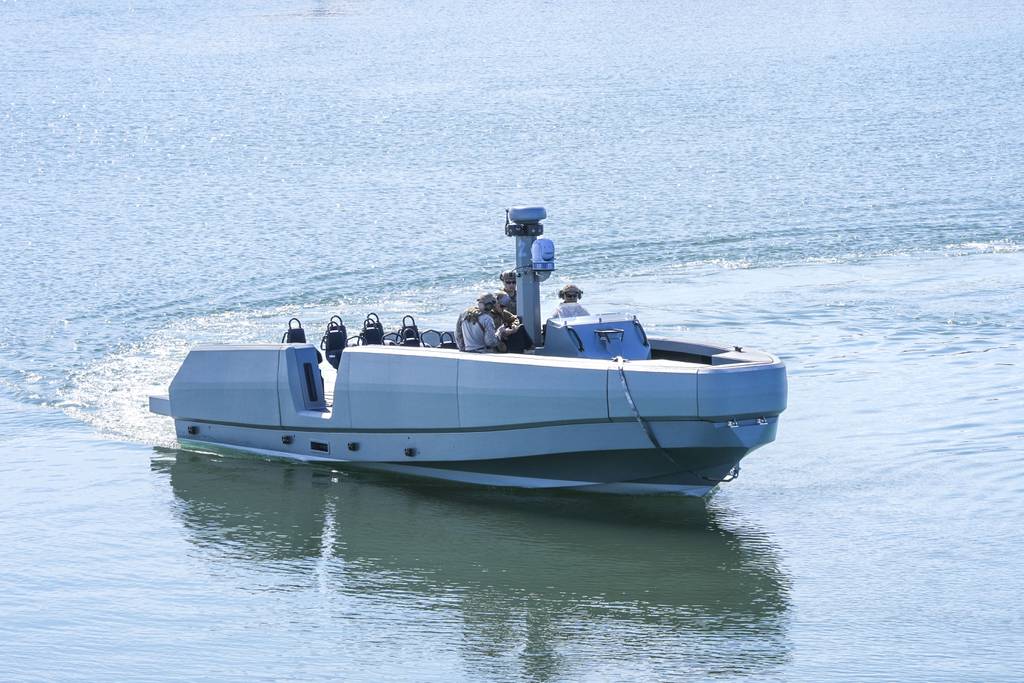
(837, 185)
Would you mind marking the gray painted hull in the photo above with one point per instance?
(509, 420)
(696, 455)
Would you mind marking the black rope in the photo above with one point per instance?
(620, 361)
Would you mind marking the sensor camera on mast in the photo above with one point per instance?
(535, 261)
(525, 221)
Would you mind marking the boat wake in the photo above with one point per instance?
(111, 394)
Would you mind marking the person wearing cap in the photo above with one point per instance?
(570, 307)
(515, 338)
(475, 331)
(508, 285)
(505, 323)
(502, 314)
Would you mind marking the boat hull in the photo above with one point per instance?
(678, 423)
(609, 457)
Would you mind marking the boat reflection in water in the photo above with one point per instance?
(546, 585)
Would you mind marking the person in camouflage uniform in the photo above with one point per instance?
(502, 314)
(508, 281)
(476, 329)
(505, 322)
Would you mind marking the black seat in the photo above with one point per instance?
(334, 341)
(430, 338)
(373, 331)
(294, 335)
(448, 341)
(409, 334)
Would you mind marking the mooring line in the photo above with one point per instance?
(620, 363)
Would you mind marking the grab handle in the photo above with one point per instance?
(640, 329)
(576, 336)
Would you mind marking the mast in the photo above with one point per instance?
(535, 261)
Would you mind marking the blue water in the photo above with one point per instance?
(840, 185)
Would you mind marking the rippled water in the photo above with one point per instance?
(840, 185)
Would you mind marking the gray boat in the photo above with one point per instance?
(596, 405)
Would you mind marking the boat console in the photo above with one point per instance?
(596, 336)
